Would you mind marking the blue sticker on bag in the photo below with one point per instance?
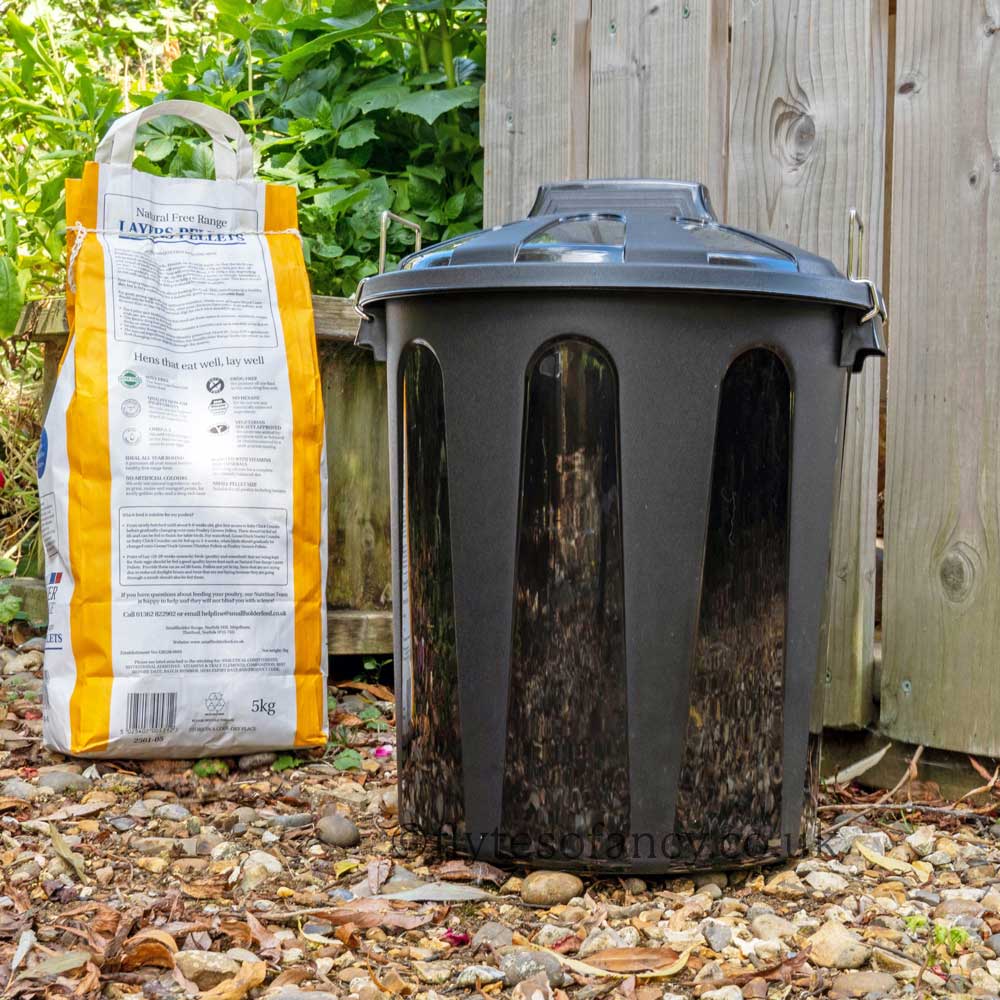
(43, 453)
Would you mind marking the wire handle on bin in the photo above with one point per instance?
(383, 244)
(855, 265)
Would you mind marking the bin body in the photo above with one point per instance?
(611, 511)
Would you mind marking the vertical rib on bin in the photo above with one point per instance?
(566, 784)
(729, 796)
(430, 757)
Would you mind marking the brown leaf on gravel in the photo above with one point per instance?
(378, 872)
(290, 977)
(251, 974)
(470, 871)
(209, 888)
(632, 959)
(347, 719)
(380, 691)
(376, 913)
(149, 946)
(266, 940)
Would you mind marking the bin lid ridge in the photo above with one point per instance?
(598, 236)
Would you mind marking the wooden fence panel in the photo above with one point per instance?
(941, 607)
(658, 91)
(537, 92)
(806, 144)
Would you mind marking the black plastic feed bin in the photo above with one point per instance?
(615, 431)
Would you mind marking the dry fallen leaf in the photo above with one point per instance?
(586, 969)
(380, 691)
(209, 888)
(378, 872)
(251, 974)
(632, 959)
(150, 946)
(470, 871)
(75, 861)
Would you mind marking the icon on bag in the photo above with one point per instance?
(215, 385)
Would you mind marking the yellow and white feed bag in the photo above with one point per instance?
(182, 467)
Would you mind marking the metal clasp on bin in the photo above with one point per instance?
(383, 245)
(855, 265)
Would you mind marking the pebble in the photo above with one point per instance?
(337, 831)
(497, 936)
(724, 993)
(925, 896)
(993, 943)
(205, 968)
(824, 881)
(121, 823)
(519, 964)
(938, 859)
(18, 788)
(61, 782)
(434, 973)
(771, 927)
(833, 946)
(861, 984)
(291, 821)
(545, 888)
(473, 974)
(151, 846)
(172, 811)
(267, 861)
(958, 908)
(718, 936)
(601, 938)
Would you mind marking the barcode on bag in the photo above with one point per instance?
(151, 712)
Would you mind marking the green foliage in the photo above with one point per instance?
(347, 760)
(363, 105)
(372, 718)
(211, 767)
(952, 939)
(285, 762)
(10, 605)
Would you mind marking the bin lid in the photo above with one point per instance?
(599, 235)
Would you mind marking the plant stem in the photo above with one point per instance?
(418, 39)
(447, 53)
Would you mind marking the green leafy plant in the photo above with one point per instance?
(372, 718)
(285, 762)
(952, 939)
(10, 604)
(347, 760)
(363, 105)
(211, 767)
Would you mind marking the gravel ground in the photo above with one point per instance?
(268, 876)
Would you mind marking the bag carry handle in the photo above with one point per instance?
(118, 145)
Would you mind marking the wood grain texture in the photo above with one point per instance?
(658, 92)
(537, 89)
(806, 144)
(357, 445)
(359, 633)
(45, 319)
(941, 614)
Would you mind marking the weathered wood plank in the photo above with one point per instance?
(354, 399)
(45, 319)
(658, 91)
(941, 615)
(807, 116)
(359, 633)
(536, 109)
